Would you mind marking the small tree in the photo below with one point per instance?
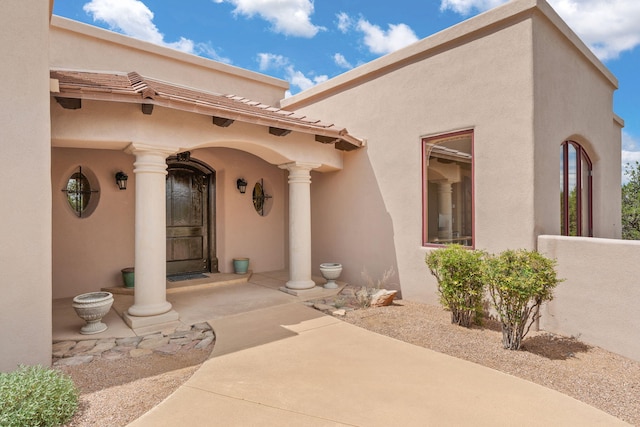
(519, 282)
(459, 273)
(631, 203)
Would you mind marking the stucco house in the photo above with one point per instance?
(496, 133)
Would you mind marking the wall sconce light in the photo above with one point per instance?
(242, 185)
(121, 180)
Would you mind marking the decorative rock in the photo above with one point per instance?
(204, 343)
(153, 336)
(341, 312)
(62, 347)
(198, 335)
(180, 341)
(153, 343)
(132, 341)
(170, 341)
(168, 331)
(176, 335)
(190, 345)
(322, 307)
(171, 348)
(201, 326)
(73, 361)
(102, 347)
(123, 348)
(183, 328)
(82, 347)
(382, 298)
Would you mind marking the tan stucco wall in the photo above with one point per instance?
(482, 83)
(25, 249)
(597, 302)
(88, 253)
(488, 74)
(83, 47)
(574, 100)
(241, 232)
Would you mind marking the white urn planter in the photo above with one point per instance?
(92, 307)
(330, 271)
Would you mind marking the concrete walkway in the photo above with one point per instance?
(289, 365)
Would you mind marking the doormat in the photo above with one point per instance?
(181, 277)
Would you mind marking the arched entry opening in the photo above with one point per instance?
(190, 192)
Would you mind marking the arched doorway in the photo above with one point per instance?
(190, 192)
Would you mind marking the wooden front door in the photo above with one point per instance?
(187, 220)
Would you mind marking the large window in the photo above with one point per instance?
(448, 189)
(576, 204)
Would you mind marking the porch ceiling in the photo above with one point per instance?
(134, 88)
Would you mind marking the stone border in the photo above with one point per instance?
(168, 342)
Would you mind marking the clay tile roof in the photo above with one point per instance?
(134, 88)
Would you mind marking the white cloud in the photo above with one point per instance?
(297, 78)
(288, 17)
(133, 18)
(294, 77)
(270, 60)
(344, 22)
(209, 51)
(381, 42)
(341, 61)
(608, 27)
(465, 7)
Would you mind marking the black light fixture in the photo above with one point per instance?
(242, 185)
(121, 180)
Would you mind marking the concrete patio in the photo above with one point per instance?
(278, 362)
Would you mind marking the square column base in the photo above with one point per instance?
(135, 322)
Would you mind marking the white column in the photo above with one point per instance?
(150, 298)
(300, 225)
(445, 209)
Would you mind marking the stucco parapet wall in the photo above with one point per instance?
(476, 27)
(595, 241)
(119, 39)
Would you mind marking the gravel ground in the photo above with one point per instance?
(597, 377)
(115, 393)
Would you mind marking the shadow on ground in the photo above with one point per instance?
(554, 347)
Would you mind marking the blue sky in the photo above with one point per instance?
(306, 42)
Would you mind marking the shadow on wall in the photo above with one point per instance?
(350, 223)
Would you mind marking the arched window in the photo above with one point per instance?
(576, 205)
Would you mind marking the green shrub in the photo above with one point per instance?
(36, 396)
(459, 273)
(519, 282)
